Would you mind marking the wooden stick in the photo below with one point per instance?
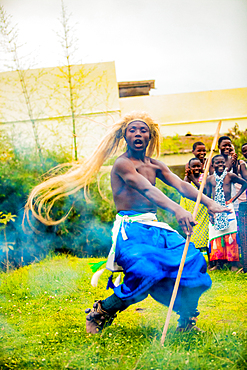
(198, 200)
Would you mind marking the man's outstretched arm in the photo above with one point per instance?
(124, 168)
(187, 190)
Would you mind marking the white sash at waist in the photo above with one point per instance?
(143, 218)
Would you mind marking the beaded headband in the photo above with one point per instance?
(137, 119)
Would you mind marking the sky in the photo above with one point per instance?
(184, 45)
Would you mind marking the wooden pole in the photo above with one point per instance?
(198, 200)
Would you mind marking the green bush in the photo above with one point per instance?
(87, 230)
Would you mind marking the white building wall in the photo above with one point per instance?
(96, 102)
(197, 113)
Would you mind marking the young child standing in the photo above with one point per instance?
(240, 169)
(199, 151)
(243, 164)
(223, 229)
(225, 147)
(244, 150)
(192, 176)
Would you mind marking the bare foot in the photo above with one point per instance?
(214, 268)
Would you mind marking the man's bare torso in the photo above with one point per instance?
(125, 197)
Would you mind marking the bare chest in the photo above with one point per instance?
(147, 170)
(226, 185)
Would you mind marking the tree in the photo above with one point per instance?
(68, 43)
(79, 89)
(11, 45)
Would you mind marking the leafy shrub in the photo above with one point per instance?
(238, 139)
(87, 230)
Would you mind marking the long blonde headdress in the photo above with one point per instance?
(80, 175)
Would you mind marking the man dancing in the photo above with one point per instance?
(150, 253)
(147, 251)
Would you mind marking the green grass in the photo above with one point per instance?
(43, 324)
(181, 144)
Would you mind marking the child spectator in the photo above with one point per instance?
(200, 231)
(225, 148)
(223, 229)
(240, 169)
(235, 160)
(244, 150)
(243, 164)
(199, 151)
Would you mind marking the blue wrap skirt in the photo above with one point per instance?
(152, 254)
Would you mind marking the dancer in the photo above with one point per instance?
(200, 231)
(147, 251)
(223, 230)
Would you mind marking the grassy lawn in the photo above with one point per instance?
(43, 324)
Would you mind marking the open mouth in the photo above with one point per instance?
(138, 142)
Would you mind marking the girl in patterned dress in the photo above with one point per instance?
(223, 229)
(200, 235)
